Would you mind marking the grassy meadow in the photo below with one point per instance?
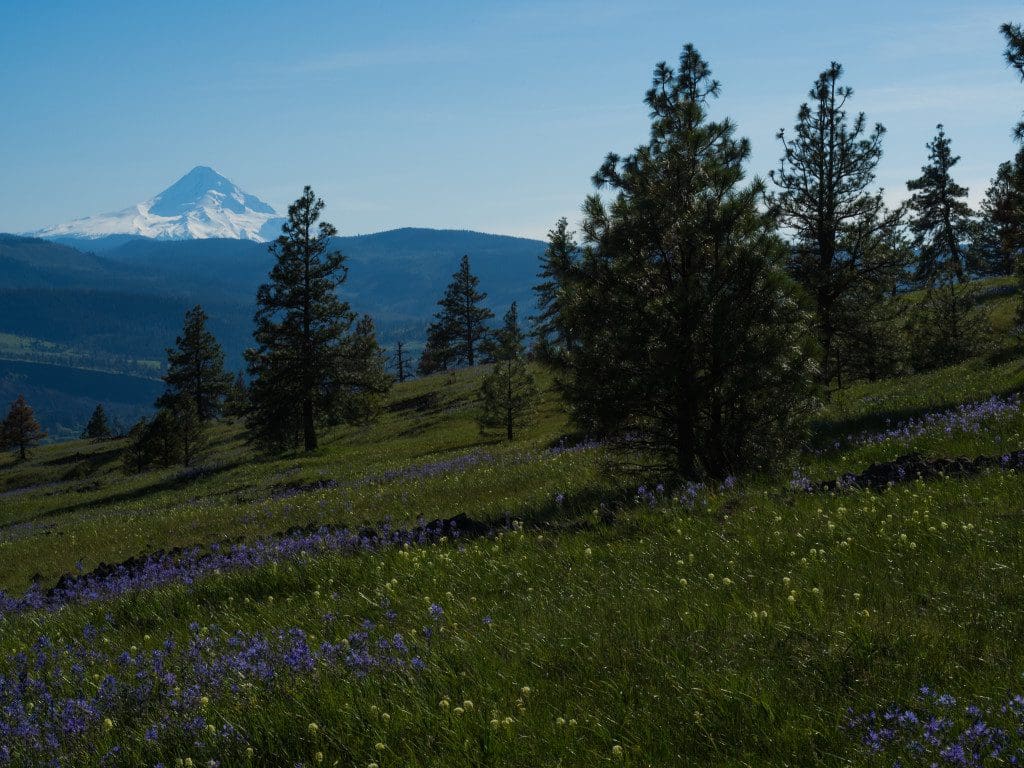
(594, 623)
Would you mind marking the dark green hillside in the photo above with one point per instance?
(64, 396)
(30, 262)
(114, 322)
(407, 269)
(120, 310)
(396, 276)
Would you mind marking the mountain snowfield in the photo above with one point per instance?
(201, 204)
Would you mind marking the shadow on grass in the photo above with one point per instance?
(93, 458)
(428, 402)
(171, 482)
(824, 432)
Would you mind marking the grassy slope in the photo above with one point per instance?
(92, 513)
(669, 633)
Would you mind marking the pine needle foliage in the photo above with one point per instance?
(97, 428)
(459, 331)
(999, 242)
(509, 392)
(1014, 54)
(845, 248)
(313, 364)
(558, 259)
(941, 221)
(195, 370)
(686, 343)
(19, 431)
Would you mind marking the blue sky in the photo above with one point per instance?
(477, 115)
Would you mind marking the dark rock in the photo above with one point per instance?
(913, 467)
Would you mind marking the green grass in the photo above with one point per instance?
(99, 515)
(739, 632)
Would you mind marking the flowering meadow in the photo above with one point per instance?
(305, 612)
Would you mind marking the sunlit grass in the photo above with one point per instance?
(588, 629)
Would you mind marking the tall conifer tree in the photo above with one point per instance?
(558, 259)
(360, 387)
(846, 249)
(310, 361)
(460, 325)
(1014, 53)
(999, 243)
(509, 391)
(689, 346)
(941, 221)
(401, 362)
(195, 369)
(437, 352)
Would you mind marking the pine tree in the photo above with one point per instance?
(309, 359)
(236, 402)
(20, 431)
(97, 428)
(359, 389)
(946, 327)
(508, 393)
(460, 326)
(175, 435)
(690, 349)
(133, 458)
(846, 248)
(190, 438)
(999, 243)
(941, 221)
(1014, 54)
(558, 259)
(195, 369)
(401, 364)
(156, 442)
(1012, 213)
(436, 354)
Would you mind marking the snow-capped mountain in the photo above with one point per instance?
(201, 204)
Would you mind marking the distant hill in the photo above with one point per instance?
(395, 276)
(63, 397)
(31, 262)
(126, 296)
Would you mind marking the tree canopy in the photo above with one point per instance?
(941, 221)
(686, 343)
(459, 328)
(845, 248)
(195, 369)
(313, 363)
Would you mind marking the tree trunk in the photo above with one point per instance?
(509, 415)
(308, 429)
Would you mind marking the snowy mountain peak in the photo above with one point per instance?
(201, 204)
